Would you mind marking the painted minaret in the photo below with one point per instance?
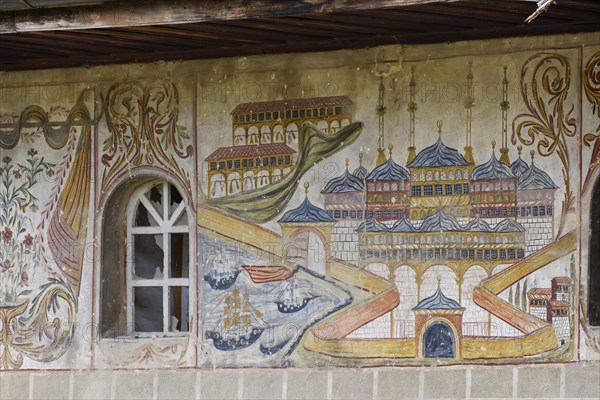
(411, 108)
(381, 114)
(504, 106)
(469, 104)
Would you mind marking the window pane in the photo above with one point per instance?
(155, 195)
(148, 256)
(178, 309)
(143, 217)
(148, 311)
(179, 260)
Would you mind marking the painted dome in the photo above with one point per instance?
(492, 170)
(388, 171)
(440, 222)
(372, 225)
(535, 178)
(360, 172)
(306, 212)
(478, 225)
(509, 225)
(518, 167)
(345, 183)
(402, 225)
(438, 302)
(438, 155)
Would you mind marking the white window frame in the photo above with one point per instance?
(165, 227)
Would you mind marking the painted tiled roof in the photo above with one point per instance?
(478, 225)
(388, 171)
(563, 280)
(306, 212)
(491, 170)
(440, 222)
(540, 293)
(278, 105)
(535, 178)
(344, 183)
(402, 225)
(438, 155)
(559, 304)
(518, 167)
(509, 225)
(438, 302)
(251, 150)
(360, 172)
(372, 225)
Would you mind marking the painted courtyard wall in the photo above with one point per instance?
(295, 245)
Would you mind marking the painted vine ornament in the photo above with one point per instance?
(143, 124)
(545, 83)
(41, 328)
(591, 87)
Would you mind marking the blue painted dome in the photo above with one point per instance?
(478, 225)
(509, 225)
(438, 155)
(306, 212)
(535, 178)
(492, 170)
(438, 302)
(402, 225)
(372, 225)
(345, 183)
(440, 222)
(360, 172)
(388, 171)
(518, 167)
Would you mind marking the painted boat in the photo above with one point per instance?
(268, 273)
(293, 299)
(221, 277)
(240, 327)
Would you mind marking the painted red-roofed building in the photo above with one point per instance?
(279, 121)
(235, 169)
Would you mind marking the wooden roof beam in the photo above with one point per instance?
(153, 12)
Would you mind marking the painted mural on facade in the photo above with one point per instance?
(144, 226)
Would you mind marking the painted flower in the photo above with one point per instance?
(6, 266)
(1, 171)
(17, 174)
(34, 207)
(28, 241)
(32, 152)
(6, 159)
(50, 172)
(25, 278)
(7, 235)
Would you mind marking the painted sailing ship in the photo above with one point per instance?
(240, 327)
(293, 299)
(221, 275)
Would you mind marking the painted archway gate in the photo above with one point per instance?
(335, 224)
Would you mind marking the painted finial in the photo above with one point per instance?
(347, 162)
(306, 186)
(505, 79)
(390, 148)
(532, 153)
(439, 279)
(493, 145)
(360, 157)
(519, 149)
(470, 74)
(439, 124)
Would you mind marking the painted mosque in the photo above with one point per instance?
(436, 225)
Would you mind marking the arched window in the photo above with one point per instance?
(594, 261)
(146, 262)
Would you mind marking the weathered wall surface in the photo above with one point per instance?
(409, 206)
